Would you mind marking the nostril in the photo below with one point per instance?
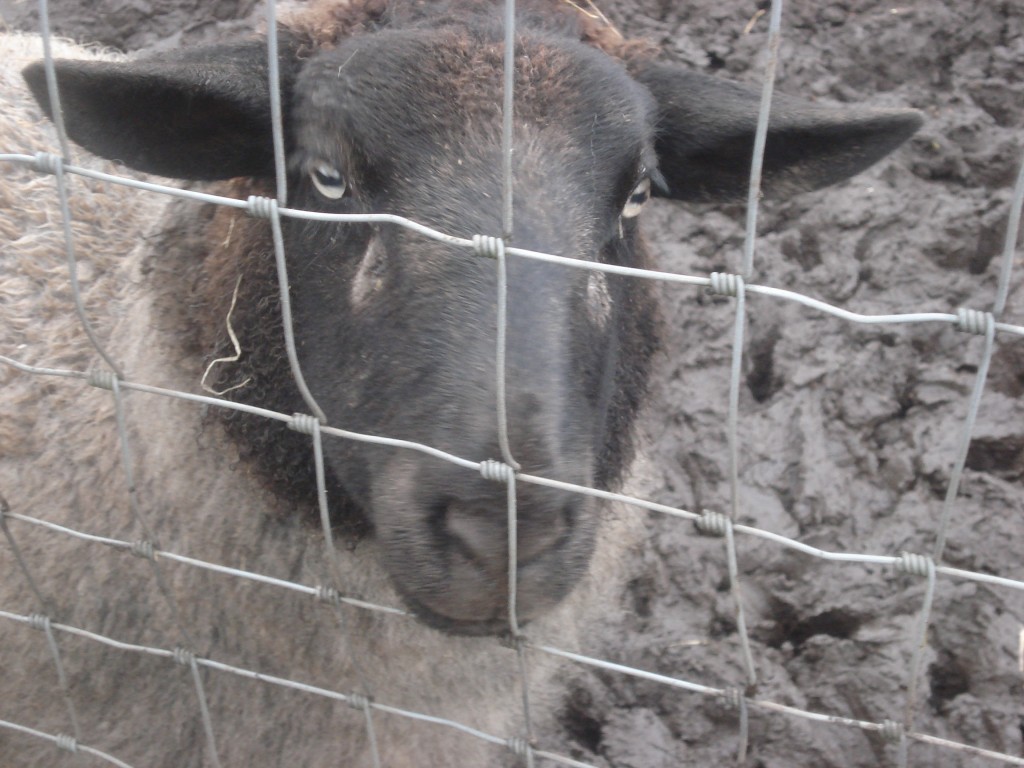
(479, 533)
(552, 533)
(446, 547)
(571, 512)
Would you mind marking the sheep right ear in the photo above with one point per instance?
(201, 113)
(706, 128)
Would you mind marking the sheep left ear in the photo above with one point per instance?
(705, 137)
(198, 113)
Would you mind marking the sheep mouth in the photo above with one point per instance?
(461, 586)
(494, 626)
(537, 593)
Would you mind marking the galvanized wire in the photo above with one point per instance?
(924, 567)
(1010, 243)
(624, 499)
(948, 318)
(522, 747)
(269, 209)
(51, 80)
(986, 325)
(107, 379)
(63, 742)
(276, 116)
(507, 113)
(57, 169)
(42, 623)
(761, 136)
(766, 705)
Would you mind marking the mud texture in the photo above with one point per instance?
(847, 433)
(132, 24)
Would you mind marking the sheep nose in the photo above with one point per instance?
(481, 533)
(444, 535)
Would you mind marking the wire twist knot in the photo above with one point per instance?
(514, 641)
(304, 423)
(488, 247)
(102, 378)
(39, 621)
(497, 471)
(328, 595)
(519, 746)
(47, 162)
(726, 284)
(712, 523)
(915, 565)
(359, 701)
(184, 656)
(261, 207)
(973, 321)
(143, 549)
(66, 742)
(733, 697)
(891, 730)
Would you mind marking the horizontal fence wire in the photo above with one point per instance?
(321, 593)
(318, 591)
(620, 498)
(252, 204)
(928, 568)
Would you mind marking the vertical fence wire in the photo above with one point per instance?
(108, 379)
(761, 137)
(507, 108)
(276, 117)
(498, 247)
(44, 603)
(918, 566)
(42, 623)
(978, 323)
(57, 168)
(1010, 244)
(362, 703)
(273, 213)
(271, 209)
(188, 659)
(51, 81)
(513, 615)
(332, 593)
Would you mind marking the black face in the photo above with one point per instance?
(397, 332)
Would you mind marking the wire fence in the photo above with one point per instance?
(926, 566)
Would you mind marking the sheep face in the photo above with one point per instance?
(397, 333)
(413, 322)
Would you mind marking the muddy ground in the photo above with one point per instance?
(847, 432)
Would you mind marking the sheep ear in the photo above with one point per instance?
(201, 113)
(705, 137)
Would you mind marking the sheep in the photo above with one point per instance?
(390, 107)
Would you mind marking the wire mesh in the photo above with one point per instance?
(928, 568)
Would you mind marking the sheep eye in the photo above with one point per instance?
(328, 181)
(640, 195)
